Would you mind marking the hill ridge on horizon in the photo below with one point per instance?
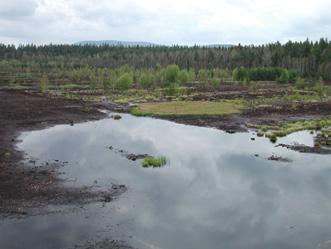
(140, 43)
(116, 43)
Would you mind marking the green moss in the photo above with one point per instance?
(155, 162)
(182, 108)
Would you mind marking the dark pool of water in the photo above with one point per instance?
(213, 193)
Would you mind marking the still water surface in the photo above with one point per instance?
(214, 191)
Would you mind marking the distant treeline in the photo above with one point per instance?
(15, 72)
(308, 58)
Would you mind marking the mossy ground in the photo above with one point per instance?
(178, 108)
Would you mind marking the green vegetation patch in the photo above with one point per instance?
(72, 86)
(293, 99)
(182, 108)
(154, 162)
(325, 136)
(290, 127)
(116, 117)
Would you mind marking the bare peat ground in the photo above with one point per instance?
(26, 190)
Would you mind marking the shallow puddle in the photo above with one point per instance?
(217, 190)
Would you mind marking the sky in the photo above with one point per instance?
(166, 22)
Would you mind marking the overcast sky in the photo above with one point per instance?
(164, 21)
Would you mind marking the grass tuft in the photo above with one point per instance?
(116, 117)
(155, 162)
(273, 138)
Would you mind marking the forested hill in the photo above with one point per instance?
(136, 44)
(307, 58)
(116, 43)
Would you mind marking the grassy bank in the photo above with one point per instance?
(289, 127)
(178, 108)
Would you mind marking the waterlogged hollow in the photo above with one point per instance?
(217, 190)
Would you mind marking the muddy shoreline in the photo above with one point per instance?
(26, 190)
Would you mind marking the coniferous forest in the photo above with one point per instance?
(308, 58)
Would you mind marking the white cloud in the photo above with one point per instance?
(14, 9)
(163, 21)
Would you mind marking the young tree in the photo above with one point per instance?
(191, 75)
(203, 75)
(183, 76)
(43, 84)
(284, 76)
(171, 73)
(235, 74)
(146, 79)
(320, 88)
(240, 74)
(125, 69)
(300, 83)
(124, 81)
